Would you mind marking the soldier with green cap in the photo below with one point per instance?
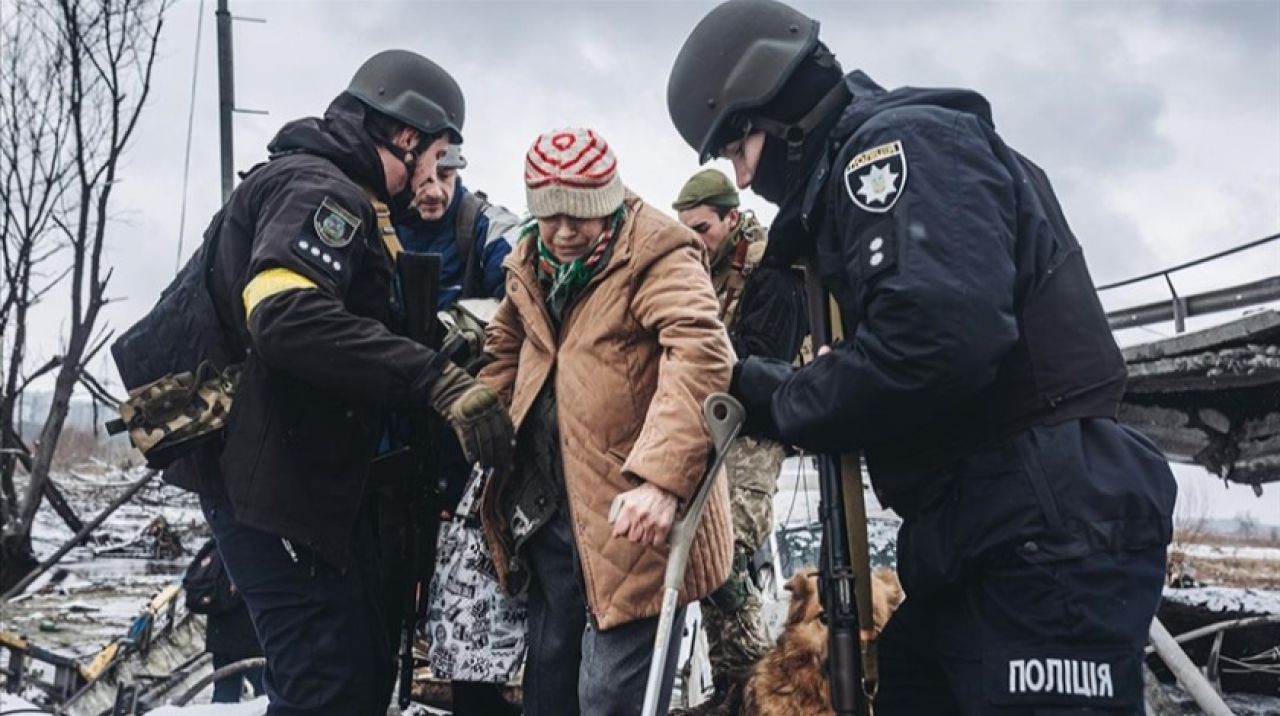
(762, 308)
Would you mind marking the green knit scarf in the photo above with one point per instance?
(563, 280)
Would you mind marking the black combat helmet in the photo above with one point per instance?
(412, 89)
(737, 58)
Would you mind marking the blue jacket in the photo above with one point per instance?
(491, 242)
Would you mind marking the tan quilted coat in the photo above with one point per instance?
(639, 351)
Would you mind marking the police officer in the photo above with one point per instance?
(762, 308)
(301, 279)
(978, 375)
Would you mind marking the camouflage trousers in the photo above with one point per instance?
(732, 616)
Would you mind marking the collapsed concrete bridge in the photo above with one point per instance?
(1209, 397)
(1212, 397)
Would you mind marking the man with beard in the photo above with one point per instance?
(300, 272)
(763, 310)
(463, 227)
(978, 373)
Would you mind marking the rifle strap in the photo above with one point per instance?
(386, 230)
(855, 511)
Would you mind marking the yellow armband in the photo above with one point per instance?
(269, 283)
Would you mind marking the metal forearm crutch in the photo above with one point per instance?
(724, 416)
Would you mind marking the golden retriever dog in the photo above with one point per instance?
(790, 680)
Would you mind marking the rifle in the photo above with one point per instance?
(419, 276)
(836, 577)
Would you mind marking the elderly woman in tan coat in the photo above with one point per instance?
(604, 348)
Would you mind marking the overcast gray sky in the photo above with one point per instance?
(1159, 123)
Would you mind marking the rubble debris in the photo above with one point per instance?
(1209, 398)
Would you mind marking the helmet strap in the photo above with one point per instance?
(795, 133)
(408, 157)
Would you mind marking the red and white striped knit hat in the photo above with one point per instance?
(572, 172)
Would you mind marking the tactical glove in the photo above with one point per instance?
(477, 416)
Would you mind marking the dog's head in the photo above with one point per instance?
(886, 597)
(805, 605)
(805, 632)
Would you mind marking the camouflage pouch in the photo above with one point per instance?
(169, 417)
(738, 588)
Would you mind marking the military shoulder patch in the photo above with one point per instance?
(334, 225)
(874, 179)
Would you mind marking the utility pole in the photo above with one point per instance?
(226, 97)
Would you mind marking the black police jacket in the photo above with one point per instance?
(321, 364)
(968, 311)
(771, 321)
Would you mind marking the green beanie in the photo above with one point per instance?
(709, 186)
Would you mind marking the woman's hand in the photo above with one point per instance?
(644, 515)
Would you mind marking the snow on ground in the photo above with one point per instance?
(12, 704)
(257, 707)
(87, 600)
(1220, 551)
(93, 488)
(1228, 599)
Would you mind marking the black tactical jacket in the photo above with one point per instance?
(321, 364)
(771, 321)
(969, 313)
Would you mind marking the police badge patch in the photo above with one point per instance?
(874, 179)
(334, 225)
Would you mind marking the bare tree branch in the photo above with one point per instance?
(98, 392)
(51, 365)
(106, 52)
(34, 178)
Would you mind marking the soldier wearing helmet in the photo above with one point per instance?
(978, 374)
(763, 310)
(300, 273)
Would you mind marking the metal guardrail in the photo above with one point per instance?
(1179, 308)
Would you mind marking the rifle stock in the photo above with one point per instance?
(419, 276)
(836, 576)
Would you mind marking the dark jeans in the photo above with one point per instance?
(325, 632)
(228, 690)
(1032, 639)
(573, 667)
